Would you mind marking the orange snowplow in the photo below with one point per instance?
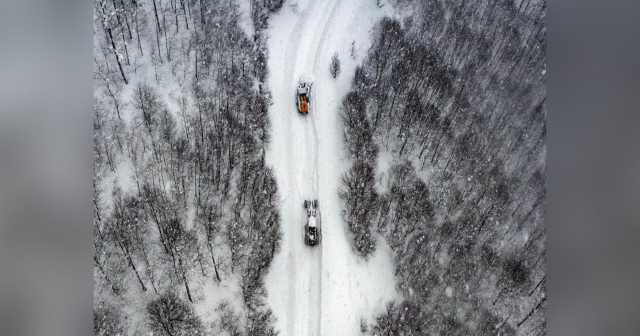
(302, 98)
(304, 107)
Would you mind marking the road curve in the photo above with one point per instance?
(294, 156)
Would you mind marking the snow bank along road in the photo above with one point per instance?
(320, 290)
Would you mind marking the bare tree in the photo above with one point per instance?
(169, 315)
(214, 166)
(182, 250)
(106, 15)
(361, 200)
(122, 227)
(334, 67)
(107, 320)
(229, 320)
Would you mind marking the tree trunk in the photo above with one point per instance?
(164, 31)
(532, 311)
(115, 100)
(138, 32)
(106, 277)
(499, 294)
(126, 21)
(175, 12)
(126, 51)
(195, 64)
(149, 270)
(201, 15)
(124, 40)
(538, 285)
(215, 267)
(115, 52)
(144, 288)
(406, 138)
(186, 282)
(155, 10)
(184, 10)
(97, 209)
(201, 266)
(109, 157)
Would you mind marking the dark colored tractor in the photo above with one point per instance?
(312, 228)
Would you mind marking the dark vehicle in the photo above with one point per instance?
(312, 228)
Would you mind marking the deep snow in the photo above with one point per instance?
(324, 289)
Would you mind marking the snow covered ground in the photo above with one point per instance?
(322, 290)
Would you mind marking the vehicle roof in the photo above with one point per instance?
(312, 221)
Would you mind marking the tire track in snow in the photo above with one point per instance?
(312, 63)
(291, 213)
(317, 53)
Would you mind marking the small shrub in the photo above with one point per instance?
(334, 67)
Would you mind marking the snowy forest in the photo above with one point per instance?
(445, 126)
(444, 132)
(183, 201)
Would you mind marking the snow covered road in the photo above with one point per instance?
(322, 290)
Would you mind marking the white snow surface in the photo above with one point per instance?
(326, 289)
(448, 291)
(245, 23)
